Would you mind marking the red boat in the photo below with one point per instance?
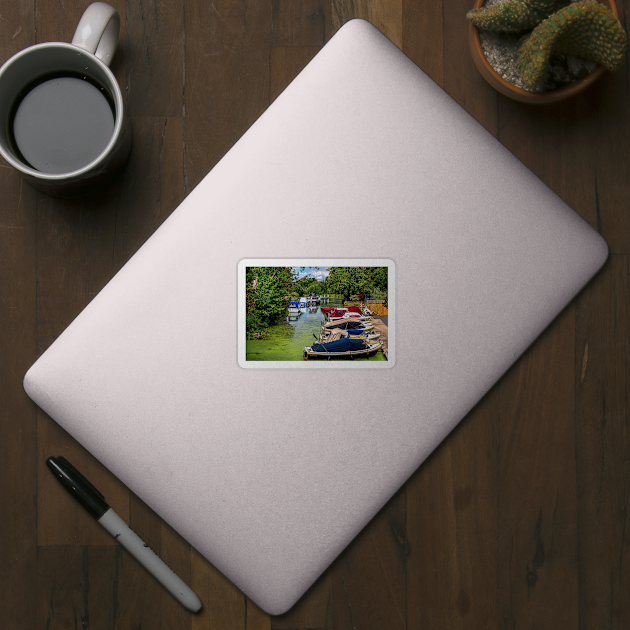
(352, 308)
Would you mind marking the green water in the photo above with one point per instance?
(286, 340)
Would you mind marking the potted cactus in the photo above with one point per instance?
(557, 49)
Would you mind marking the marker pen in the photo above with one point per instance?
(94, 502)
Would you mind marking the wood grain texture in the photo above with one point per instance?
(386, 15)
(461, 79)
(226, 78)
(452, 527)
(369, 577)
(76, 587)
(537, 537)
(300, 23)
(154, 57)
(422, 36)
(518, 520)
(602, 381)
(18, 325)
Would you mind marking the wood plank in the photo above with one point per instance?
(608, 126)
(369, 588)
(300, 23)
(423, 36)
(452, 527)
(18, 416)
(537, 537)
(576, 147)
(226, 78)
(461, 78)
(557, 149)
(603, 443)
(76, 587)
(154, 61)
(386, 15)
(18, 420)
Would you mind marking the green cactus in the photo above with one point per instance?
(583, 29)
(513, 16)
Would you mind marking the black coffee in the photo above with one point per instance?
(62, 123)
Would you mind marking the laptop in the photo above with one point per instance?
(269, 469)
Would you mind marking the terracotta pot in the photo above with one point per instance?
(512, 91)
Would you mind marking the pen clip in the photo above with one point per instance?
(74, 471)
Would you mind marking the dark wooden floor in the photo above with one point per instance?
(518, 520)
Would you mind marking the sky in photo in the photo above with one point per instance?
(319, 273)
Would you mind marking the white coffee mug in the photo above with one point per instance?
(62, 114)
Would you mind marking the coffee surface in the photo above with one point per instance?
(62, 124)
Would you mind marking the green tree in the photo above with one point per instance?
(348, 281)
(266, 290)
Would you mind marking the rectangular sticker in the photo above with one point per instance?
(316, 313)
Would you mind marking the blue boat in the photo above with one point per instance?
(345, 347)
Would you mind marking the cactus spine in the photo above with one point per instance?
(513, 16)
(583, 29)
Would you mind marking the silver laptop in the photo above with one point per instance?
(271, 471)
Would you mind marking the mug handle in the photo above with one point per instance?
(98, 30)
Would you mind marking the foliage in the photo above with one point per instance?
(266, 289)
(348, 281)
(308, 285)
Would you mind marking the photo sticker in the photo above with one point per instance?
(316, 313)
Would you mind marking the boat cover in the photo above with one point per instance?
(355, 309)
(345, 325)
(336, 334)
(341, 345)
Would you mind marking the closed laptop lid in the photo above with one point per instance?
(482, 255)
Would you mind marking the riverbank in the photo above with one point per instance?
(286, 340)
(380, 326)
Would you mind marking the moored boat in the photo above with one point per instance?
(336, 333)
(345, 311)
(345, 324)
(341, 348)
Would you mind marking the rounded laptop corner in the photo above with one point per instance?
(603, 251)
(29, 382)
